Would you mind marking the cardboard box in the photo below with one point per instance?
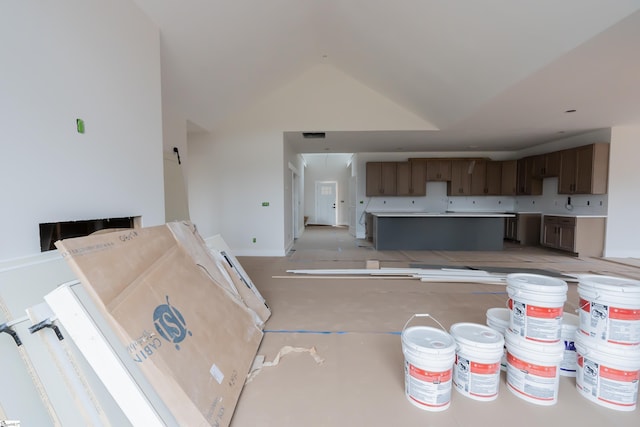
(193, 338)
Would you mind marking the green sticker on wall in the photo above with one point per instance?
(80, 125)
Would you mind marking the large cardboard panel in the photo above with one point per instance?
(225, 269)
(194, 341)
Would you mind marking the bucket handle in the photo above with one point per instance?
(423, 315)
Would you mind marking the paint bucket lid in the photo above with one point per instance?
(499, 316)
(610, 284)
(425, 339)
(588, 345)
(477, 336)
(536, 283)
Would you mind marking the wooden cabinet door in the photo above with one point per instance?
(509, 178)
(567, 177)
(411, 179)
(550, 232)
(388, 178)
(373, 178)
(493, 179)
(478, 178)
(438, 170)
(460, 184)
(566, 237)
(381, 179)
(418, 178)
(527, 184)
(403, 178)
(552, 164)
(537, 166)
(584, 163)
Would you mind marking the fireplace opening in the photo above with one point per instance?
(52, 231)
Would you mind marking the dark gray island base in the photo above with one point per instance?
(444, 232)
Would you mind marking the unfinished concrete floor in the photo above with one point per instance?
(354, 323)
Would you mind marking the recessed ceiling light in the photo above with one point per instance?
(570, 111)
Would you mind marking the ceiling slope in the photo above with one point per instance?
(496, 73)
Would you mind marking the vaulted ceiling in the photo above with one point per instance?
(490, 75)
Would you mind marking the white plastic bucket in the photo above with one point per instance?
(429, 354)
(498, 319)
(476, 371)
(608, 374)
(570, 325)
(536, 304)
(533, 369)
(610, 309)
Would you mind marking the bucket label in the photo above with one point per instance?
(606, 385)
(569, 358)
(471, 378)
(536, 382)
(543, 324)
(612, 324)
(428, 388)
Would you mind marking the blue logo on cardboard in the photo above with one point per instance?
(170, 323)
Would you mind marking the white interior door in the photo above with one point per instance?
(326, 209)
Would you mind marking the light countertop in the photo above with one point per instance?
(442, 214)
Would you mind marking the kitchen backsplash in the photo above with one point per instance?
(436, 200)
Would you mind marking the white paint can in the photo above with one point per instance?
(533, 369)
(570, 324)
(429, 354)
(536, 304)
(498, 319)
(476, 371)
(608, 374)
(610, 309)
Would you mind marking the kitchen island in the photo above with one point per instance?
(447, 231)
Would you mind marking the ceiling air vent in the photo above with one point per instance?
(314, 135)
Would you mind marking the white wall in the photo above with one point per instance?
(327, 167)
(62, 60)
(623, 233)
(241, 163)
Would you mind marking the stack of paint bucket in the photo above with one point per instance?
(608, 341)
(534, 347)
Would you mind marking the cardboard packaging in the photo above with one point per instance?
(193, 337)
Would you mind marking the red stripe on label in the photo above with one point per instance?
(538, 370)
(616, 403)
(485, 368)
(619, 375)
(624, 313)
(544, 312)
(429, 376)
(427, 404)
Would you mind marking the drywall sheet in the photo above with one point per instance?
(194, 339)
